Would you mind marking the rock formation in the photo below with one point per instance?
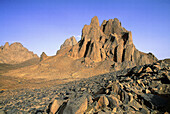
(67, 45)
(69, 42)
(43, 56)
(15, 53)
(110, 41)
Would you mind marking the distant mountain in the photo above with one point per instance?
(15, 53)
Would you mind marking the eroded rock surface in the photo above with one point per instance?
(110, 41)
(66, 46)
(43, 56)
(15, 53)
(69, 42)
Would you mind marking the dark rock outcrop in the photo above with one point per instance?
(15, 53)
(43, 56)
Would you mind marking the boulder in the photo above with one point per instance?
(76, 106)
(55, 106)
(103, 102)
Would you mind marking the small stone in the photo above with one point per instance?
(55, 106)
(157, 67)
(110, 82)
(147, 91)
(107, 91)
(138, 81)
(135, 108)
(148, 69)
(83, 89)
(103, 102)
(131, 97)
(145, 111)
(90, 100)
(114, 109)
(113, 101)
(155, 89)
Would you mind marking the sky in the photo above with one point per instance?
(43, 25)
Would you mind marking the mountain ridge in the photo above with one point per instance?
(15, 53)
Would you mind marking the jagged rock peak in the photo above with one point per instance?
(112, 26)
(69, 42)
(43, 56)
(110, 41)
(6, 46)
(95, 21)
(15, 53)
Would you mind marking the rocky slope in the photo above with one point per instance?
(15, 53)
(7, 67)
(142, 89)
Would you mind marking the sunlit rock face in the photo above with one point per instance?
(43, 56)
(15, 53)
(110, 41)
(69, 42)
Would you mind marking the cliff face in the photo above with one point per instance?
(69, 42)
(15, 53)
(67, 45)
(110, 41)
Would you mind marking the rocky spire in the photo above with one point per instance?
(6, 46)
(95, 21)
(110, 41)
(112, 26)
(69, 42)
(43, 56)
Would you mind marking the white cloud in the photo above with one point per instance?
(78, 37)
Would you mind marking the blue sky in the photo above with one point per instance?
(43, 25)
